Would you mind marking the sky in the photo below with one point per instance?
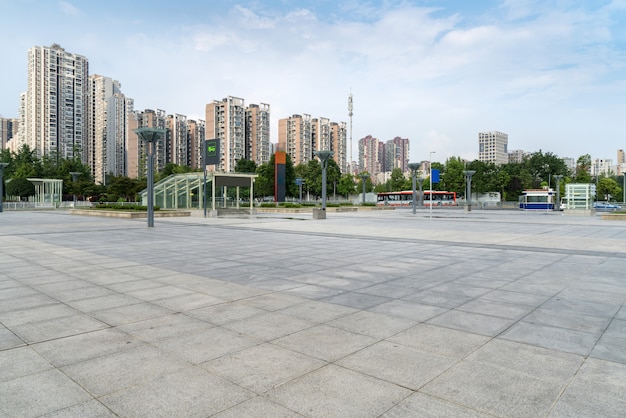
(549, 73)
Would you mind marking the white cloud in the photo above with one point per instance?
(69, 8)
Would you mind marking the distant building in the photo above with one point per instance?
(8, 129)
(136, 149)
(601, 166)
(103, 147)
(300, 136)
(196, 142)
(516, 156)
(621, 162)
(368, 156)
(396, 154)
(492, 147)
(570, 163)
(55, 114)
(244, 132)
(258, 133)
(294, 137)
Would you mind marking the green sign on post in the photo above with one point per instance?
(212, 152)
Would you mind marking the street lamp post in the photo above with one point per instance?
(557, 204)
(468, 188)
(430, 168)
(324, 156)
(414, 167)
(2, 167)
(299, 182)
(624, 189)
(363, 180)
(75, 175)
(150, 136)
(420, 183)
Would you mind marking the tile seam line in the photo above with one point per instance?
(435, 242)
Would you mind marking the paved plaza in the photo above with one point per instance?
(363, 314)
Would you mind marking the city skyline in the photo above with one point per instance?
(548, 74)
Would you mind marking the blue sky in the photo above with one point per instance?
(550, 73)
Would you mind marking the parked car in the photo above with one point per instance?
(606, 206)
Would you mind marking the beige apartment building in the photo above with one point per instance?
(258, 147)
(136, 162)
(300, 136)
(369, 160)
(294, 137)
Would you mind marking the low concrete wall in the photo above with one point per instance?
(129, 214)
(614, 216)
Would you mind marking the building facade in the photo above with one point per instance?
(368, 156)
(106, 110)
(300, 136)
(395, 154)
(55, 114)
(8, 130)
(225, 120)
(516, 156)
(258, 133)
(136, 162)
(492, 147)
(294, 137)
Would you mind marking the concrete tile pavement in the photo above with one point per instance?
(491, 313)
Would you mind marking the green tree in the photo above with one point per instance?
(346, 185)
(397, 180)
(452, 177)
(608, 189)
(264, 184)
(124, 188)
(19, 187)
(245, 166)
(583, 169)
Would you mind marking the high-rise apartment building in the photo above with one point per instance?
(136, 162)
(196, 143)
(106, 133)
(258, 133)
(177, 140)
(225, 120)
(8, 129)
(395, 154)
(300, 136)
(294, 137)
(55, 115)
(492, 147)
(339, 144)
(368, 155)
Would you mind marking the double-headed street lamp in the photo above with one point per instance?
(364, 178)
(414, 167)
(557, 205)
(150, 136)
(468, 188)
(2, 167)
(75, 175)
(324, 156)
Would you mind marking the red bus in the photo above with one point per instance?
(405, 198)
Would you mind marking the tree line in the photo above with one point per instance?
(534, 171)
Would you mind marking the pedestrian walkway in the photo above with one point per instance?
(363, 314)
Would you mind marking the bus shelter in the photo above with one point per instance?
(186, 191)
(47, 191)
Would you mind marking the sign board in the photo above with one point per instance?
(212, 152)
(435, 175)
